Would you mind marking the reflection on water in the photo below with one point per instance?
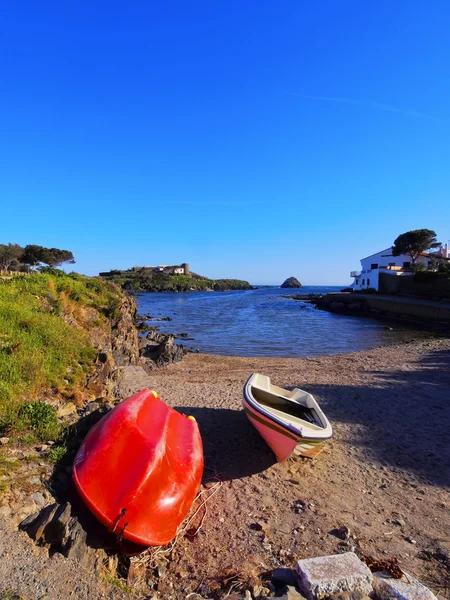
(262, 323)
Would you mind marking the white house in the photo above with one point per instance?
(397, 266)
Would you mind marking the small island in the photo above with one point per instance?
(170, 278)
(291, 282)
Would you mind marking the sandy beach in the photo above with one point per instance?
(385, 474)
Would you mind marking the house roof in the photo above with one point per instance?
(420, 254)
(375, 253)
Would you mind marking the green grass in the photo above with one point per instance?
(44, 343)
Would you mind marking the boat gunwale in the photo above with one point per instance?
(254, 404)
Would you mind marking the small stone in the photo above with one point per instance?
(4, 441)
(343, 532)
(248, 595)
(91, 407)
(399, 521)
(409, 539)
(42, 448)
(441, 554)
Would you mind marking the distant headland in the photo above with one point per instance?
(170, 278)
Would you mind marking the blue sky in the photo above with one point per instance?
(256, 140)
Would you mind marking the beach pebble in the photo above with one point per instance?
(409, 539)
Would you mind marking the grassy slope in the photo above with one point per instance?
(44, 341)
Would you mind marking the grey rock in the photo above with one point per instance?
(4, 441)
(291, 593)
(291, 282)
(129, 380)
(91, 407)
(38, 498)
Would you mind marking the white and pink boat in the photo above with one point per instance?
(290, 421)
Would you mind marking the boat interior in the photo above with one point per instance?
(286, 405)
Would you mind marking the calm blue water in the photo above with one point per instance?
(262, 323)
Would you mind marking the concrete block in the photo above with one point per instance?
(407, 588)
(320, 577)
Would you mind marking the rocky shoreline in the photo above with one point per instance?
(264, 516)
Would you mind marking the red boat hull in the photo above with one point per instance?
(140, 468)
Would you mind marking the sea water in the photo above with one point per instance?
(261, 322)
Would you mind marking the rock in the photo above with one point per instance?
(291, 282)
(35, 524)
(38, 499)
(401, 522)
(291, 593)
(91, 407)
(57, 528)
(320, 577)
(407, 588)
(248, 595)
(129, 380)
(350, 596)
(163, 350)
(409, 539)
(442, 555)
(42, 448)
(343, 532)
(67, 409)
(4, 441)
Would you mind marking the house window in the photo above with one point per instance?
(363, 281)
(374, 266)
(368, 282)
(406, 265)
(356, 281)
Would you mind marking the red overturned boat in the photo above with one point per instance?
(139, 469)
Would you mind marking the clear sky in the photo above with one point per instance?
(255, 139)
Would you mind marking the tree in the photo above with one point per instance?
(53, 257)
(33, 255)
(414, 242)
(10, 255)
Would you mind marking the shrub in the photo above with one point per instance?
(41, 418)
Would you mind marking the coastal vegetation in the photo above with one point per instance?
(151, 280)
(45, 324)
